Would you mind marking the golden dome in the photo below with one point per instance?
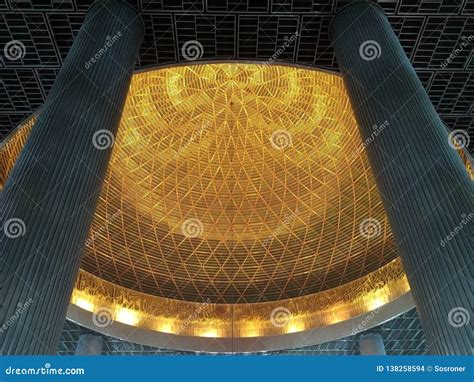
(236, 184)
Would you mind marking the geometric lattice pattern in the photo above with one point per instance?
(429, 31)
(402, 335)
(237, 183)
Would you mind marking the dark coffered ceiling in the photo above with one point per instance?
(429, 30)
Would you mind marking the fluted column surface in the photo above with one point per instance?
(49, 198)
(424, 185)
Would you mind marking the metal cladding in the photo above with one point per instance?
(240, 191)
(49, 199)
(426, 191)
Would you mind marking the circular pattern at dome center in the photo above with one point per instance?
(237, 183)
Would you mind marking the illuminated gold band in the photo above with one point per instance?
(187, 214)
(240, 320)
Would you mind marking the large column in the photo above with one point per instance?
(49, 198)
(371, 344)
(90, 344)
(425, 188)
